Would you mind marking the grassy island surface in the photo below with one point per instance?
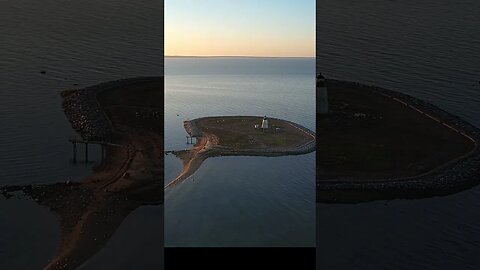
(238, 132)
(379, 144)
(370, 136)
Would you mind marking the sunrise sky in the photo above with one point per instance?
(273, 28)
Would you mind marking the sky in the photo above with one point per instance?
(273, 28)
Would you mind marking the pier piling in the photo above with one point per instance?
(86, 152)
(86, 143)
(189, 139)
(74, 152)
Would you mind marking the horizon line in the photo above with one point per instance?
(233, 56)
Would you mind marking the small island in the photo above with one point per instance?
(241, 136)
(378, 144)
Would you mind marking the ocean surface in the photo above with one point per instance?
(428, 49)
(77, 44)
(239, 201)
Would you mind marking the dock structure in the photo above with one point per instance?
(192, 131)
(190, 139)
(74, 142)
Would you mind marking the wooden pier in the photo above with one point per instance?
(190, 139)
(86, 143)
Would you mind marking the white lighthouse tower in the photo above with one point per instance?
(265, 123)
(322, 95)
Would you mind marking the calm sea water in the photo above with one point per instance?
(240, 201)
(431, 50)
(76, 42)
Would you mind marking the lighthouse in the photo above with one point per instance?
(265, 123)
(322, 95)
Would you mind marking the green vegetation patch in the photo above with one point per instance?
(240, 132)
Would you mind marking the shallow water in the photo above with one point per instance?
(75, 42)
(134, 245)
(431, 50)
(240, 201)
(27, 229)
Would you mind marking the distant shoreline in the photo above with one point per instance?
(241, 56)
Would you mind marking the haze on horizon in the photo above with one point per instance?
(247, 28)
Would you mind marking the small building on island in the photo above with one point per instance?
(265, 123)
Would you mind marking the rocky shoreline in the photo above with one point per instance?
(85, 113)
(454, 176)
